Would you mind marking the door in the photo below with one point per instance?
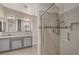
(74, 39)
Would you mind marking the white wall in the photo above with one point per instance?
(34, 30)
(1, 11)
(10, 12)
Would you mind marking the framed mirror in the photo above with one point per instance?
(15, 25)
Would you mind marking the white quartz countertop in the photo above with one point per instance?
(14, 36)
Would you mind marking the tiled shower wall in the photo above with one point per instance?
(70, 16)
(59, 44)
(50, 39)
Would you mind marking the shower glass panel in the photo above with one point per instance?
(50, 32)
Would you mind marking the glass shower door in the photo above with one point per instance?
(49, 33)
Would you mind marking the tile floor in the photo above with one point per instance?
(25, 51)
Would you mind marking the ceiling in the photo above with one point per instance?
(29, 8)
(33, 8)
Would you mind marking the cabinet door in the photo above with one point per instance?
(27, 42)
(16, 43)
(4, 44)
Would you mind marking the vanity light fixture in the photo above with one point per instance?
(26, 19)
(11, 17)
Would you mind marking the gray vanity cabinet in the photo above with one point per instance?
(16, 43)
(4, 45)
(27, 41)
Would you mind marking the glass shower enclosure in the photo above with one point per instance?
(50, 31)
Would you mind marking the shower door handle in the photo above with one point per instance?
(68, 36)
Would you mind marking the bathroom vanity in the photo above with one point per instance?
(8, 43)
(15, 34)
